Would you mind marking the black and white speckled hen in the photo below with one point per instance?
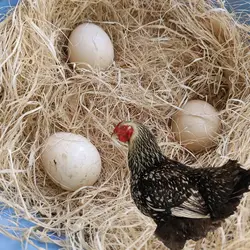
(185, 203)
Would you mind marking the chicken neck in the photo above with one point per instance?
(144, 152)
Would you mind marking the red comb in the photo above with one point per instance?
(116, 127)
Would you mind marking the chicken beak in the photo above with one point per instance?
(114, 137)
(117, 142)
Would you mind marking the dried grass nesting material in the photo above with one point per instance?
(166, 52)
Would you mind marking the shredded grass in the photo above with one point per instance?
(166, 52)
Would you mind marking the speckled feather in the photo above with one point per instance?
(185, 203)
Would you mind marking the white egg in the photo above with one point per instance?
(90, 45)
(196, 125)
(71, 160)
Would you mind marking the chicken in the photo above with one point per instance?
(185, 203)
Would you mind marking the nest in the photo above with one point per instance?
(166, 52)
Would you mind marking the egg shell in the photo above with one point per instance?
(196, 125)
(90, 45)
(71, 160)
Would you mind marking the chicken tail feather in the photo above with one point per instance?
(243, 184)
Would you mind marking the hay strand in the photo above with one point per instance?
(166, 52)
